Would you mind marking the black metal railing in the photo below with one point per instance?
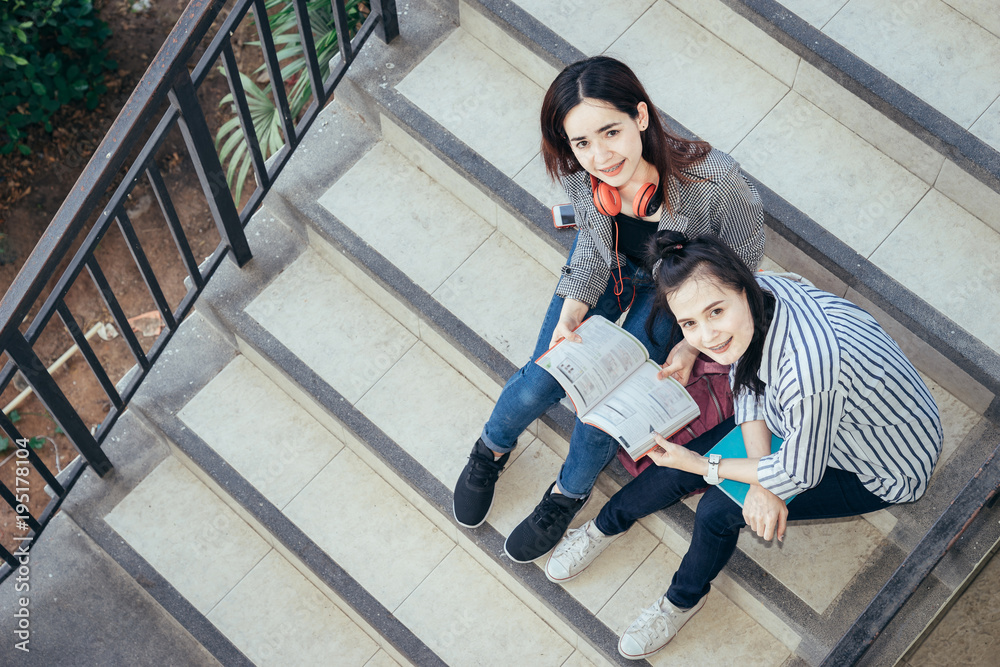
(165, 98)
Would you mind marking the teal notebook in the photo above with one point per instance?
(731, 447)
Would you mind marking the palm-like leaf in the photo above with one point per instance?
(230, 139)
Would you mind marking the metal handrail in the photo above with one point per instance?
(143, 125)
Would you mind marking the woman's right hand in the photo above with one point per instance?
(570, 318)
(680, 363)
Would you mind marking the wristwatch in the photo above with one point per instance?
(713, 469)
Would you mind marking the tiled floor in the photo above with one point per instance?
(928, 47)
(674, 56)
(228, 572)
(502, 100)
(830, 190)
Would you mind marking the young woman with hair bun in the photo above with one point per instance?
(860, 429)
(627, 177)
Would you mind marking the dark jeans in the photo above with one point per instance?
(718, 520)
(532, 390)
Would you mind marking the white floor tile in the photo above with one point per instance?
(983, 13)
(382, 659)
(275, 616)
(589, 25)
(259, 430)
(743, 36)
(188, 534)
(369, 529)
(534, 179)
(829, 173)
(578, 660)
(468, 602)
(816, 12)
(843, 546)
(510, 49)
(502, 294)
(871, 125)
(695, 77)
(970, 193)
(331, 325)
(430, 411)
(495, 113)
(987, 127)
(948, 258)
(413, 221)
(927, 47)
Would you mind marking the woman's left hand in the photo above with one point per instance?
(765, 513)
(668, 455)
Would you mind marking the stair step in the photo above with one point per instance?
(232, 575)
(100, 613)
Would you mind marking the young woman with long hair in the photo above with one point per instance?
(627, 177)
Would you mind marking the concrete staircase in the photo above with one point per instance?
(282, 491)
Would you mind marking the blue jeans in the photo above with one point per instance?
(718, 519)
(531, 391)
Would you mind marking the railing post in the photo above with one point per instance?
(56, 403)
(388, 27)
(208, 167)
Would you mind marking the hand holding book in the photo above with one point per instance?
(615, 387)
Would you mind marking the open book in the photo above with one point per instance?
(613, 385)
(732, 447)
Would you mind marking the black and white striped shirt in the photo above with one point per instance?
(841, 394)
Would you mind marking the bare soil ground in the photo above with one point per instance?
(32, 188)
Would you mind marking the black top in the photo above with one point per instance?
(633, 235)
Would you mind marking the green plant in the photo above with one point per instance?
(229, 140)
(50, 54)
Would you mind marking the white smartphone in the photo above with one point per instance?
(563, 217)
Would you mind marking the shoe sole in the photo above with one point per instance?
(485, 517)
(532, 560)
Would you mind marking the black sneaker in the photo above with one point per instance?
(474, 489)
(536, 535)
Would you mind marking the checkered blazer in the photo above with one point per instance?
(722, 202)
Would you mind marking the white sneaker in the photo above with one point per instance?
(575, 551)
(655, 626)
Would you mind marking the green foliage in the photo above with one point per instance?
(50, 54)
(229, 140)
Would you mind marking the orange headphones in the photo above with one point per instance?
(608, 200)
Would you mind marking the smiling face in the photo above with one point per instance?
(714, 318)
(607, 142)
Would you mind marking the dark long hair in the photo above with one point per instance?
(674, 258)
(611, 81)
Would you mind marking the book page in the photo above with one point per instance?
(641, 405)
(591, 369)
